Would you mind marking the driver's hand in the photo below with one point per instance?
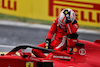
(47, 43)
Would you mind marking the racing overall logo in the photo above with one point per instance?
(29, 64)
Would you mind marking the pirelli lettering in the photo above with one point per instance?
(85, 11)
(8, 4)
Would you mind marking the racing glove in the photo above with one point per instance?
(47, 43)
(68, 20)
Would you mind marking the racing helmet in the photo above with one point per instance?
(66, 14)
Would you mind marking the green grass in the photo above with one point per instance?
(24, 19)
(89, 27)
(32, 21)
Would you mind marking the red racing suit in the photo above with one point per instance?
(60, 40)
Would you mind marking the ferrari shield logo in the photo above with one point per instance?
(29, 64)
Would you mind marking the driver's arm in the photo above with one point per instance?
(50, 34)
(72, 27)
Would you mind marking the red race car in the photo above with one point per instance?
(84, 54)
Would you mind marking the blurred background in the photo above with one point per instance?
(28, 21)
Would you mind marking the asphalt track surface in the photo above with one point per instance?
(14, 35)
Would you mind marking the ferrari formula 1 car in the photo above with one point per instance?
(84, 54)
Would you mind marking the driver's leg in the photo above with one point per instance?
(39, 53)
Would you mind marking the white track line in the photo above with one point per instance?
(7, 46)
(40, 26)
(22, 24)
(88, 31)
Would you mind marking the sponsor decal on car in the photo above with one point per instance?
(61, 57)
(82, 51)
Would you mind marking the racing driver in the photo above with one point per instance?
(64, 27)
